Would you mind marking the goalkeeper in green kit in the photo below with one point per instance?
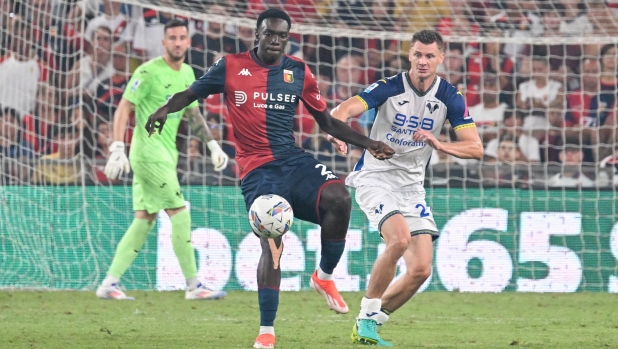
(154, 159)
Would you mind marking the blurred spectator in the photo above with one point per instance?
(421, 14)
(602, 19)
(574, 21)
(9, 12)
(48, 48)
(348, 75)
(21, 71)
(488, 114)
(538, 94)
(571, 175)
(508, 155)
(90, 70)
(120, 25)
(528, 146)
(212, 40)
(489, 58)
(507, 150)
(149, 30)
(12, 144)
(459, 22)
(103, 141)
(38, 126)
(453, 68)
(64, 166)
(517, 19)
(609, 73)
(110, 91)
(587, 110)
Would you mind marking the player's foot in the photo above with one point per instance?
(112, 292)
(364, 332)
(202, 293)
(328, 289)
(265, 340)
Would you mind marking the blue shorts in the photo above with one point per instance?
(299, 179)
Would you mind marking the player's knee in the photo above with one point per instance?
(420, 271)
(336, 198)
(399, 244)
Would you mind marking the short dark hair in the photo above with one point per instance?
(62, 130)
(428, 36)
(273, 13)
(174, 23)
(509, 137)
(13, 113)
(539, 53)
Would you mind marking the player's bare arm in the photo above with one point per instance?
(198, 125)
(200, 129)
(177, 102)
(121, 117)
(344, 132)
(117, 162)
(468, 146)
(349, 108)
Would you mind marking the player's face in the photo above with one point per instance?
(176, 42)
(272, 38)
(425, 60)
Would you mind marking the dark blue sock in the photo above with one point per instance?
(331, 254)
(269, 302)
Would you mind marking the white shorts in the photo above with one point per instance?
(379, 204)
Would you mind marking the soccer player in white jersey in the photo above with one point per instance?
(411, 109)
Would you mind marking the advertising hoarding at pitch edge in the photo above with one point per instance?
(492, 240)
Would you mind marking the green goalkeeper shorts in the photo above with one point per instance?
(155, 187)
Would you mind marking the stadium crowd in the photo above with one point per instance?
(546, 112)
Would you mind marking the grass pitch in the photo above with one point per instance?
(430, 320)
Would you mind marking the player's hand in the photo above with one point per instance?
(340, 147)
(156, 121)
(380, 150)
(218, 157)
(428, 138)
(117, 162)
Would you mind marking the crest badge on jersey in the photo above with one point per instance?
(288, 76)
(135, 85)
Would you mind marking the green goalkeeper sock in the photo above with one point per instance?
(129, 246)
(181, 241)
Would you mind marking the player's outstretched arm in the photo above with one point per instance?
(344, 132)
(177, 102)
(349, 108)
(200, 130)
(468, 146)
(117, 162)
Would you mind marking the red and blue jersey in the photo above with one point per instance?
(262, 101)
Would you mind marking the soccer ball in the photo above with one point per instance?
(271, 216)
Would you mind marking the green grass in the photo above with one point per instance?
(431, 320)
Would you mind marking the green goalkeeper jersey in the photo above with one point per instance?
(151, 85)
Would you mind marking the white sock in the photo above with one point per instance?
(323, 276)
(370, 308)
(192, 284)
(109, 280)
(267, 329)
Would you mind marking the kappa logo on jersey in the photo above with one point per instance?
(432, 107)
(240, 97)
(288, 76)
(245, 72)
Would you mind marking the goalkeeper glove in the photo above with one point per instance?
(117, 163)
(218, 157)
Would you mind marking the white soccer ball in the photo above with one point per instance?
(271, 216)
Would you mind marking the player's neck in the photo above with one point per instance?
(421, 84)
(176, 65)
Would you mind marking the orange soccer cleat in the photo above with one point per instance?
(265, 340)
(328, 289)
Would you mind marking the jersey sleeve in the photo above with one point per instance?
(212, 82)
(457, 112)
(138, 86)
(311, 93)
(377, 93)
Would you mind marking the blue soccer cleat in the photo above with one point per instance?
(364, 332)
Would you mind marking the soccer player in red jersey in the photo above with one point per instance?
(263, 88)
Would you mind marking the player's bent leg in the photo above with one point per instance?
(126, 252)
(336, 204)
(269, 281)
(418, 269)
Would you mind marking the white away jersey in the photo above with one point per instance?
(401, 111)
